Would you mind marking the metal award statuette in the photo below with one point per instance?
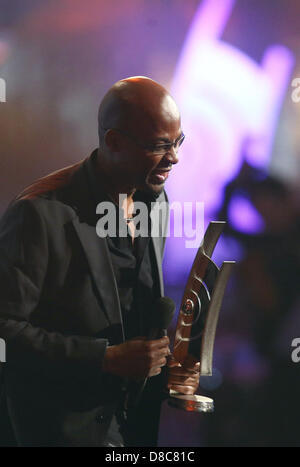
(198, 317)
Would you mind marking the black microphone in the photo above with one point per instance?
(161, 318)
(163, 312)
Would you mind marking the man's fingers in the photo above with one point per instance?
(159, 354)
(183, 380)
(162, 362)
(159, 343)
(137, 357)
(180, 371)
(172, 363)
(182, 389)
(191, 362)
(187, 367)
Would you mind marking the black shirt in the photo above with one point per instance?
(135, 277)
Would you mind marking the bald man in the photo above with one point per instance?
(77, 306)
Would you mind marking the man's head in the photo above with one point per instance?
(137, 120)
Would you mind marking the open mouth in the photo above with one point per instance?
(159, 175)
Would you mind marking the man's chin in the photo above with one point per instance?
(153, 189)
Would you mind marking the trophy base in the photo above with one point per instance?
(191, 403)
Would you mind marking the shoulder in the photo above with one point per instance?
(47, 186)
(45, 199)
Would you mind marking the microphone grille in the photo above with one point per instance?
(163, 313)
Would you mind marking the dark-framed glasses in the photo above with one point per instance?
(155, 149)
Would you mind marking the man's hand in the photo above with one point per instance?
(137, 358)
(184, 380)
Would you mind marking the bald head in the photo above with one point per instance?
(135, 104)
(138, 121)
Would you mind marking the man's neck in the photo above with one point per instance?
(115, 187)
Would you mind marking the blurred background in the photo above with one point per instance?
(232, 68)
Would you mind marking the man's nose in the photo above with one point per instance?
(172, 155)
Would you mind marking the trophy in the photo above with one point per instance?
(198, 316)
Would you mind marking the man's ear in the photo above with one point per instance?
(112, 140)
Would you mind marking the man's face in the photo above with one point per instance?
(146, 160)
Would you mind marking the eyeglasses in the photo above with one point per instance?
(155, 149)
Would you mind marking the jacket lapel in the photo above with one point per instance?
(161, 226)
(101, 270)
(156, 242)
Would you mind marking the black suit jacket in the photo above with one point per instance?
(59, 309)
